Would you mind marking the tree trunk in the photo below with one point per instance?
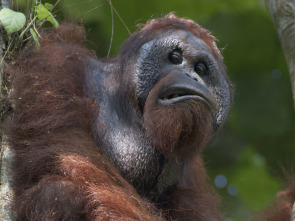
(6, 156)
(282, 13)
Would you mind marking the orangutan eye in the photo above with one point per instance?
(175, 57)
(201, 68)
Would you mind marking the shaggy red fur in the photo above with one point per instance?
(57, 162)
(60, 173)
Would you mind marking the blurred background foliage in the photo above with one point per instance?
(245, 160)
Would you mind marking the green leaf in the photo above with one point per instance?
(35, 37)
(12, 21)
(48, 6)
(43, 13)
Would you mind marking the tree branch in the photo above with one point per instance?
(282, 13)
(6, 156)
(5, 3)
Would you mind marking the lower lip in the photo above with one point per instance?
(172, 101)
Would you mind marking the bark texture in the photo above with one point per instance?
(282, 13)
(6, 156)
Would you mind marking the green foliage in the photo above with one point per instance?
(12, 21)
(253, 180)
(48, 6)
(35, 37)
(20, 28)
(44, 14)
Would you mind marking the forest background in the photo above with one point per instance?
(247, 160)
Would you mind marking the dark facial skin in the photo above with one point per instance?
(190, 57)
(161, 108)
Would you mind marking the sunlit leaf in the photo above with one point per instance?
(12, 21)
(35, 37)
(43, 13)
(48, 6)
